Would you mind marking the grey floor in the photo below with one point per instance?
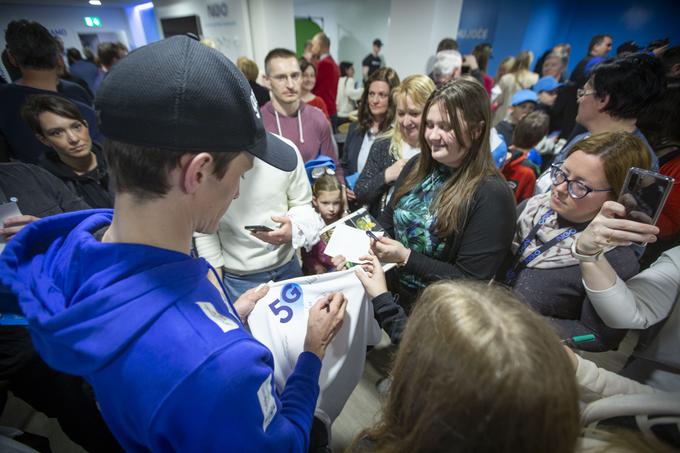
(361, 410)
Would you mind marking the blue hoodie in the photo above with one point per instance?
(172, 367)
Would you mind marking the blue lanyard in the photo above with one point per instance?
(518, 264)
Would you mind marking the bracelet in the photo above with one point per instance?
(586, 258)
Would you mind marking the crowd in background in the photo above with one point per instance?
(498, 195)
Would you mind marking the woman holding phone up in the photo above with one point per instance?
(543, 269)
(647, 301)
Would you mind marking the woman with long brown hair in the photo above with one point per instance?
(452, 214)
(376, 115)
(476, 371)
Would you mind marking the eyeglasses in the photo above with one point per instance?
(583, 92)
(283, 78)
(576, 189)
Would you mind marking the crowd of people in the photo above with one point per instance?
(499, 201)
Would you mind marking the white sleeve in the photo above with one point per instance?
(644, 300)
(596, 383)
(209, 247)
(300, 211)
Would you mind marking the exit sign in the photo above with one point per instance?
(93, 22)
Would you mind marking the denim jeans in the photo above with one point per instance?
(239, 284)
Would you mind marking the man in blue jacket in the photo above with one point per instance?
(115, 296)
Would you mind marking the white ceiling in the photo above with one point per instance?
(74, 2)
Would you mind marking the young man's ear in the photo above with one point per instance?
(194, 169)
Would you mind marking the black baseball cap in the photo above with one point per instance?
(377, 42)
(182, 95)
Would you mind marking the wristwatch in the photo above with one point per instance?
(587, 258)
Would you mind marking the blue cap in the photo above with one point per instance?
(524, 96)
(547, 83)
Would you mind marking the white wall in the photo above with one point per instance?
(415, 30)
(272, 24)
(351, 25)
(231, 33)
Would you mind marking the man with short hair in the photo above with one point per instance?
(74, 158)
(286, 115)
(327, 74)
(108, 54)
(116, 297)
(615, 95)
(599, 46)
(31, 48)
(373, 61)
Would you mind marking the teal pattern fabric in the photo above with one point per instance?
(414, 223)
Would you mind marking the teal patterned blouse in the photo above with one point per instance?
(414, 223)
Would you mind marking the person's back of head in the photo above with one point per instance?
(531, 130)
(660, 123)
(248, 67)
(477, 370)
(322, 41)
(109, 53)
(631, 82)
(447, 44)
(482, 53)
(73, 55)
(522, 62)
(448, 65)
(31, 45)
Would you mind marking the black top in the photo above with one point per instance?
(505, 129)
(372, 62)
(479, 250)
(371, 188)
(578, 75)
(351, 149)
(261, 93)
(92, 186)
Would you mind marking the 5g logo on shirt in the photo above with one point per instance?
(290, 293)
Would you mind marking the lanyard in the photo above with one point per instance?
(518, 264)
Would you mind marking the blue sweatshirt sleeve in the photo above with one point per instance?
(230, 404)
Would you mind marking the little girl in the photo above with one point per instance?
(328, 202)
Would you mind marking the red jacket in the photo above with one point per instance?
(521, 176)
(669, 220)
(327, 76)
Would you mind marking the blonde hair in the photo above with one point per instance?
(477, 370)
(248, 67)
(467, 100)
(418, 87)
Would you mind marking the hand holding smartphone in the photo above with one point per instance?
(258, 228)
(644, 194)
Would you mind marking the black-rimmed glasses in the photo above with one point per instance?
(575, 188)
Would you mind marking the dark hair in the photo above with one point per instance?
(31, 45)
(12, 70)
(142, 171)
(279, 52)
(389, 76)
(660, 123)
(628, 47)
(447, 44)
(482, 53)
(108, 52)
(595, 40)
(670, 58)
(40, 103)
(657, 43)
(73, 55)
(632, 82)
(531, 130)
(304, 64)
(344, 66)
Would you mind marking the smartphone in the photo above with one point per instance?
(372, 235)
(8, 210)
(644, 194)
(257, 228)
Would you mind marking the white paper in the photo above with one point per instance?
(352, 243)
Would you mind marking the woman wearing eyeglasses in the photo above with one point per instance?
(376, 114)
(543, 268)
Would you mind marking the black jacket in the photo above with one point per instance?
(92, 187)
(371, 188)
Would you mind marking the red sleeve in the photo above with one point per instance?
(321, 105)
(669, 220)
